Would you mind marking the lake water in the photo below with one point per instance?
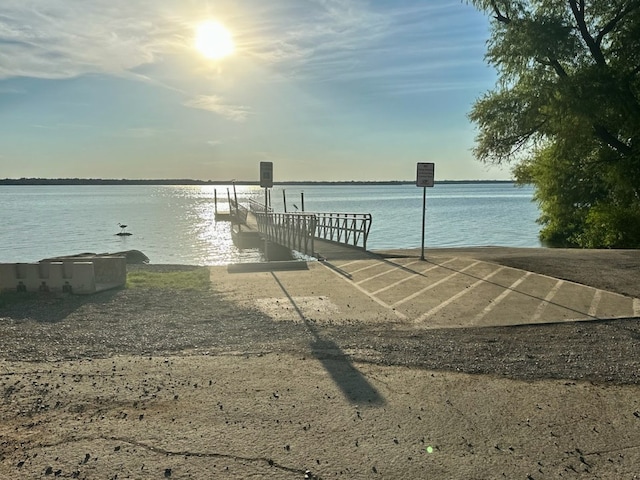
(176, 224)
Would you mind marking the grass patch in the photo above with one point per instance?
(195, 279)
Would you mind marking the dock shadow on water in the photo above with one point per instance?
(353, 384)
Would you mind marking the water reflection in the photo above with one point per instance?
(176, 224)
(211, 239)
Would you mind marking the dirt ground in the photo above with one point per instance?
(185, 384)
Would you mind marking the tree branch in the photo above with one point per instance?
(604, 135)
(578, 14)
(611, 24)
(559, 69)
(498, 14)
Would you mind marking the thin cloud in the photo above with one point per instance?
(62, 39)
(214, 103)
(62, 126)
(351, 41)
(306, 35)
(311, 41)
(12, 91)
(142, 132)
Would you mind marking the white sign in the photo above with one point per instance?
(426, 175)
(266, 174)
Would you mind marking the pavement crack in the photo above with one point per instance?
(612, 450)
(182, 453)
(187, 453)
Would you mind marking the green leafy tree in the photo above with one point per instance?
(565, 113)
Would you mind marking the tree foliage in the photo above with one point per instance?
(566, 113)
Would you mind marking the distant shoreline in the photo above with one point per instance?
(100, 181)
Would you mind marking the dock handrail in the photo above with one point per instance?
(347, 228)
(238, 211)
(294, 230)
(257, 207)
(297, 230)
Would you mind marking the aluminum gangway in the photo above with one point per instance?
(306, 231)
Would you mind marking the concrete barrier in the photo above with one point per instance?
(79, 275)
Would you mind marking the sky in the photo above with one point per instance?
(327, 90)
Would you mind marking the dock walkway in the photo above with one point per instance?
(322, 249)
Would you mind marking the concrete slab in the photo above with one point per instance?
(442, 292)
(288, 416)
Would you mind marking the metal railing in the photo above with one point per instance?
(346, 228)
(257, 207)
(295, 231)
(238, 212)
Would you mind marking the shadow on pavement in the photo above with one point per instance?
(353, 384)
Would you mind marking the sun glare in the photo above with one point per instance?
(213, 40)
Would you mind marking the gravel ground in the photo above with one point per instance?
(151, 383)
(157, 322)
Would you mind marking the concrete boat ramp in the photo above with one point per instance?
(450, 288)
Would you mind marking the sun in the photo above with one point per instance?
(213, 40)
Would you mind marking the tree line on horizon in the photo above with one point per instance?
(565, 113)
(99, 181)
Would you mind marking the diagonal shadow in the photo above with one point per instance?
(408, 270)
(515, 290)
(353, 384)
(500, 285)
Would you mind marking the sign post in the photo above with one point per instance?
(425, 177)
(266, 181)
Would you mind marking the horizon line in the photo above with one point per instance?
(187, 181)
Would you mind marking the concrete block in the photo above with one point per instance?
(7, 276)
(110, 270)
(56, 276)
(81, 275)
(84, 280)
(28, 274)
(67, 271)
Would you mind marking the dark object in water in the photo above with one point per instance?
(122, 232)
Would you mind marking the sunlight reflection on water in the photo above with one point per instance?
(176, 224)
